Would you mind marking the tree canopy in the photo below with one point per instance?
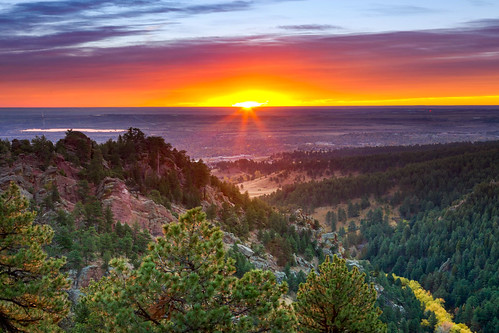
(337, 300)
(186, 283)
(32, 297)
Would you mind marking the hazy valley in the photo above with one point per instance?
(216, 134)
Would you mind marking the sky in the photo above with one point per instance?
(84, 53)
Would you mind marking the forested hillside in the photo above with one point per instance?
(453, 252)
(436, 178)
(434, 218)
(97, 202)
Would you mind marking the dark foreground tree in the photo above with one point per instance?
(32, 297)
(337, 300)
(185, 284)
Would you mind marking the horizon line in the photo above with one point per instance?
(259, 107)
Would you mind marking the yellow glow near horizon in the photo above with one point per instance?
(271, 98)
(248, 104)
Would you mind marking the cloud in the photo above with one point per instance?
(32, 16)
(218, 8)
(456, 61)
(310, 27)
(397, 10)
(64, 39)
(29, 15)
(480, 3)
(42, 25)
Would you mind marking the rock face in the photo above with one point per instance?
(34, 183)
(88, 274)
(230, 238)
(302, 262)
(131, 208)
(280, 276)
(268, 263)
(245, 250)
(356, 263)
(82, 279)
(445, 267)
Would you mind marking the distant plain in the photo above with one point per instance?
(228, 133)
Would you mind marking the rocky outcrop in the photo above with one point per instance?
(216, 197)
(230, 238)
(131, 207)
(36, 184)
(302, 262)
(245, 250)
(446, 266)
(88, 274)
(81, 279)
(280, 276)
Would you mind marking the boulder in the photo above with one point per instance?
(260, 263)
(245, 250)
(280, 276)
(88, 274)
(445, 267)
(230, 238)
(302, 262)
(355, 263)
(328, 236)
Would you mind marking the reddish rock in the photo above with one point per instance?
(130, 207)
(88, 274)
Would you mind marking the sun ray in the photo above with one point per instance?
(246, 125)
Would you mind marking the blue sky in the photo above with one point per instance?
(118, 22)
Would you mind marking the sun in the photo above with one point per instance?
(248, 104)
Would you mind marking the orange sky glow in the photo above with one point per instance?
(380, 69)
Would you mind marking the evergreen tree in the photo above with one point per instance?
(337, 300)
(31, 288)
(185, 284)
(333, 220)
(342, 215)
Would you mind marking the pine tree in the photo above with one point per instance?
(185, 284)
(337, 300)
(32, 297)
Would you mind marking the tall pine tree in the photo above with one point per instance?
(186, 283)
(337, 300)
(32, 297)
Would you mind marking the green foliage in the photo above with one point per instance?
(95, 170)
(331, 219)
(453, 253)
(32, 297)
(4, 146)
(447, 235)
(442, 319)
(97, 239)
(75, 147)
(433, 179)
(241, 263)
(44, 149)
(185, 283)
(402, 311)
(211, 211)
(294, 279)
(282, 240)
(18, 147)
(342, 215)
(337, 300)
